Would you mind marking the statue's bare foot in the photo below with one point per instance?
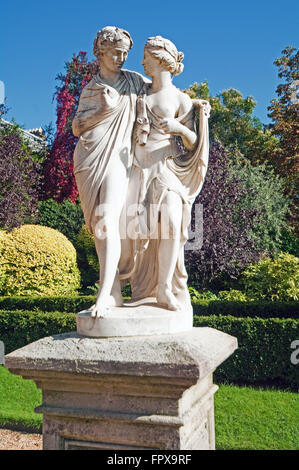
(166, 298)
(101, 309)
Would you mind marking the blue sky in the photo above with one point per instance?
(229, 43)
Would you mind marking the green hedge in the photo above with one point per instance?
(48, 304)
(264, 349)
(21, 327)
(264, 344)
(66, 217)
(201, 308)
(260, 309)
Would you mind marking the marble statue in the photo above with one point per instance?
(103, 155)
(140, 161)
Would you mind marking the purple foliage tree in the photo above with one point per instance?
(19, 181)
(227, 244)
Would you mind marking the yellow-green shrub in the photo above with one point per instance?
(232, 294)
(273, 279)
(37, 260)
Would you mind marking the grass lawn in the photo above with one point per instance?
(245, 418)
(18, 398)
(256, 419)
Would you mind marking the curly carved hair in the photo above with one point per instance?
(167, 54)
(107, 37)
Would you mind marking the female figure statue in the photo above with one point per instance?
(168, 180)
(103, 156)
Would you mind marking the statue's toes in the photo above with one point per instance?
(173, 305)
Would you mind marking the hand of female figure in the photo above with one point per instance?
(171, 126)
(174, 127)
(198, 103)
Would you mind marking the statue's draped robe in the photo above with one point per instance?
(109, 139)
(160, 166)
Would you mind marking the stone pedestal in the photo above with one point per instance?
(142, 392)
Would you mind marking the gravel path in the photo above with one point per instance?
(15, 440)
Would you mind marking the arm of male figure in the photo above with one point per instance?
(91, 108)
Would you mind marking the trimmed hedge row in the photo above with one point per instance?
(264, 349)
(260, 309)
(21, 327)
(264, 344)
(201, 308)
(63, 304)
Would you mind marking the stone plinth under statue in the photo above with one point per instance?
(145, 392)
(144, 317)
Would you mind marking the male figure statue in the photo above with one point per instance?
(103, 156)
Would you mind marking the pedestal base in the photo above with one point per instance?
(146, 392)
(144, 317)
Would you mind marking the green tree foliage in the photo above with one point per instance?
(233, 124)
(265, 192)
(289, 243)
(65, 217)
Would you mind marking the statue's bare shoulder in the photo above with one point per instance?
(185, 102)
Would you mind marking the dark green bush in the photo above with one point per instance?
(87, 257)
(65, 217)
(264, 350)
(289, 243)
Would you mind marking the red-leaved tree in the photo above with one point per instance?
(59, 180)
